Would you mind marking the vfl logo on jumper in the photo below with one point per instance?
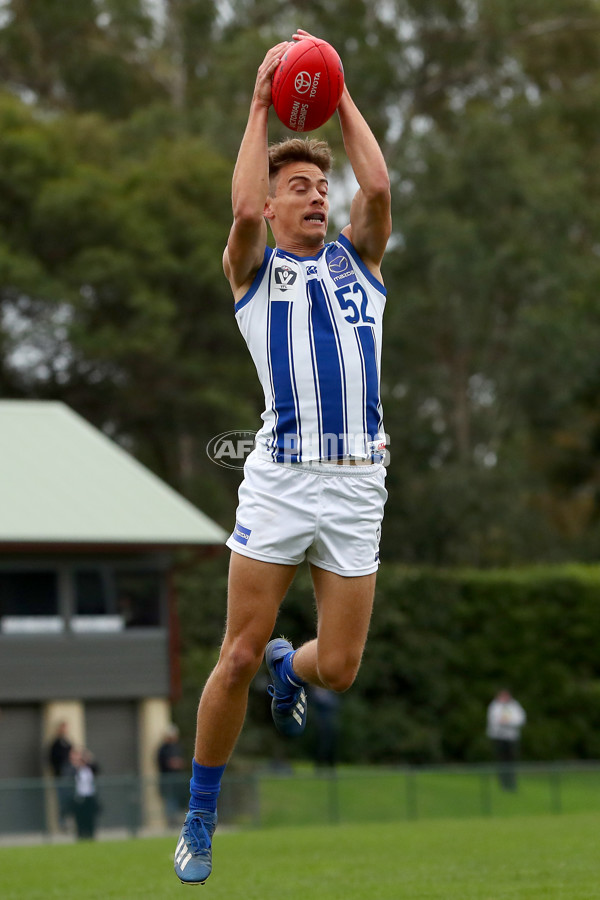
(285, 277)
(241, 533)
(340, 267)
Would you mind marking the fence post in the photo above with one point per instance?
(133, 788)
(486, 793)
(555, 791)
(333, 797)
(255, 788)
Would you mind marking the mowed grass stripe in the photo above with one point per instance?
(523, 858)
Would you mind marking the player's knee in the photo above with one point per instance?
(338, 674)
(240, 663)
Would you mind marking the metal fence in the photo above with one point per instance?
(30, 808)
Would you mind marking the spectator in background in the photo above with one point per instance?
(58, 758)
(173, 788)
(85, 800)
(505, 718)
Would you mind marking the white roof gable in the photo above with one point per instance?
(62, 480)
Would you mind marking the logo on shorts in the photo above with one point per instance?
(230, 449)
(241, 533)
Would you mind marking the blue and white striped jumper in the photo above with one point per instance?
(313, 327)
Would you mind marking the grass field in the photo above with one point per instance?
(518, 858)
(377, 795)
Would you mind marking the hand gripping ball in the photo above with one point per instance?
(307, 85)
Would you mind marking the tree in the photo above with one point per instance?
(494, 262)
(487, 115)
(112, 284)
(80, 55)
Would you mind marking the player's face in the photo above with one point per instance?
(299, 211)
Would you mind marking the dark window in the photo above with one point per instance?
(90, 593)
(28, 594)
(138, 598)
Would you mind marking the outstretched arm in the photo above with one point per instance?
(370, 215)
(248, 236)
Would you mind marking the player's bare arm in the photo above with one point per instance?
(370, 215)
(248, 236)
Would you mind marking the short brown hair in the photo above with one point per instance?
(298, 150)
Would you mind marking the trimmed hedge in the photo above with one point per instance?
(441, 644)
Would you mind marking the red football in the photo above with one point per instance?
(307, 85)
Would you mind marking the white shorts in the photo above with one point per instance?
(328, 514)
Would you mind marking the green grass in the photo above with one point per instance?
(376, 795)
(517, 858)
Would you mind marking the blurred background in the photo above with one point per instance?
(119, 126)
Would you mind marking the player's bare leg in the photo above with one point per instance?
(256, 590)
(344, 607)
(332, 659)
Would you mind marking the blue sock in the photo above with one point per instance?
(205, 785)
(287, 673)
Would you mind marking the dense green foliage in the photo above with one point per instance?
(441, 644)
(117, 144)
(118, 133)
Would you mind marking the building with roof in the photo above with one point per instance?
(87, 537)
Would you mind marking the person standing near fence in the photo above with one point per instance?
(85, 800)
(58, 758)
(505, 719)
(171, 762)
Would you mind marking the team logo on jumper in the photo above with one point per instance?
(285, 277)
(340, 267)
